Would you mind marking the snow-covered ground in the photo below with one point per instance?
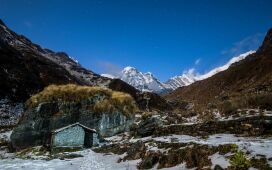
(90, 161)
(254, 145)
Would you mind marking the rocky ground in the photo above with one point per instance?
(10, 112)
(162, 141)
(218, 150)
(123, 151)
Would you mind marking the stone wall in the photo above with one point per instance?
(249, 126)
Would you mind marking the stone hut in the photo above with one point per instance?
(74, 136)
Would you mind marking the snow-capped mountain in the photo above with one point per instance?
(185, 79)
(139, 80)
(148, 82)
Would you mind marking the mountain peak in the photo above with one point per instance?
(2, 23)
(149, 74)
(129, 68)
(267, 43)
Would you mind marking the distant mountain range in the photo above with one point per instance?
(148, 82)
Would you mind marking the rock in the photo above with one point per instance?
(218, 167)
(150, 159)
(71, 156)
(37, 123)
(148, 126)
(135, 151)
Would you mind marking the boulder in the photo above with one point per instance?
(148, 126)
(37, 123)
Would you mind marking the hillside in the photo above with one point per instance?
(27, 68)
(247, 83)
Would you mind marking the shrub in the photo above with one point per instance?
(227, 107)
(207, 117)
(263, 101)
(111, 101)
(234, 147)
(226, 148)
(240, 161)
(146, 115)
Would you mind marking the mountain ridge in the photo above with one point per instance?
(246, 83)
(148, 82)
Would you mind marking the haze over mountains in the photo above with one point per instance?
(148, 82)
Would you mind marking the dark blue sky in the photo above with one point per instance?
(165, 37)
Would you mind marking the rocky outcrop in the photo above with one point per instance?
(37, 123)
(147, 127)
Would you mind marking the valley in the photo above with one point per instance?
(219, 120)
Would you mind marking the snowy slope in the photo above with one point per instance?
(148, 82)
(226, 66)
(185, 79)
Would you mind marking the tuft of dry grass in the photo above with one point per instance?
(262, 101)
(112, 101)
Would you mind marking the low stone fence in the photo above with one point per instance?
(249, 126)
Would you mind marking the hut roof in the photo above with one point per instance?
(75, 124)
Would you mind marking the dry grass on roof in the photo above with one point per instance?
(113, 101)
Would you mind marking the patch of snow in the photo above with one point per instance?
(5, 136)
(144, 139)
(109, 76)
(181, 166)
(192, 120)
(268, 112)
(220, 160)
(115, 138)
(90, 161)
(217, 114)
(254, 145)
(241, 116)
(72, 58)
